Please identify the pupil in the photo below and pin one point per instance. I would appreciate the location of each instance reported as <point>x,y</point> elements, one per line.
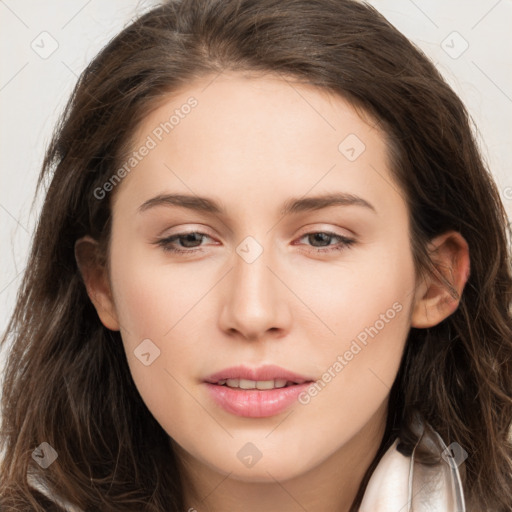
<point>190,238</point>
<point>320,235</point>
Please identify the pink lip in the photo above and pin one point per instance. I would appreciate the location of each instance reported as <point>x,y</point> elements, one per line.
<point>255,403</point>
<point>266,372</point>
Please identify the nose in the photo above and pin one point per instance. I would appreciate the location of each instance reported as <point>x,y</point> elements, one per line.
<point>254,297</point>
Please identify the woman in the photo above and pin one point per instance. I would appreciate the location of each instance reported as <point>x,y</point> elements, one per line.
<point>182,338</point>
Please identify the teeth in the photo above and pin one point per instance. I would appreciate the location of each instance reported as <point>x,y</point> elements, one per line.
<point>254,384</point>
<point>247,384</point>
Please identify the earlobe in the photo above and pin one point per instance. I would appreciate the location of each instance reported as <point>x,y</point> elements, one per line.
<point>434,301</point>
<point>96,281</point>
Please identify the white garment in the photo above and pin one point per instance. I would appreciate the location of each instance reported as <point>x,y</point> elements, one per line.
<point>399,483</point>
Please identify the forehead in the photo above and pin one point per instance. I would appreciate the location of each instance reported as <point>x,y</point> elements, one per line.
<point>234,134</point>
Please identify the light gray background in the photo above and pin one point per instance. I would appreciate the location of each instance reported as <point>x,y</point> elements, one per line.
<point>34,87</point>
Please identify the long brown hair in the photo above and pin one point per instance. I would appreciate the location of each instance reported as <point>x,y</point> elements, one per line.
<point>67,381</point>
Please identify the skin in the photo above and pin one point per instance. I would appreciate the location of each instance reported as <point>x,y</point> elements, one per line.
<point>291,306</point>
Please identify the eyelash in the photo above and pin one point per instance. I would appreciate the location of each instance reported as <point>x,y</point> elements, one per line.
<point>165,243</point>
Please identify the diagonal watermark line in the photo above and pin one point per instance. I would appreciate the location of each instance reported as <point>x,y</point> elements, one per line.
<point>424,13</point>
<point>14,76</point>
<point>11,281</point>
<point>77,76</point>
<point>287,492</point>
<point>379,378</point>
<point>3,3</point>
<point>212,80</point>
<point>192,396</point>
<point>389,183</point>
<point>76,14</point>
<point>289,83</point>
<point>307,192</point>
<point>410,500</point>
<point>14,218</point>
<point>193,306</point>
<point>193,193</point>
<point>69,68</point>
<point>279,424</point>
<point>486,14</point>
<point>492,81</point>
<point>216,487</point>
<point>301,300</point>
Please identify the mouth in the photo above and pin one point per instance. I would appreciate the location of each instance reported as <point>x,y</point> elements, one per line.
<point>256,393</point>
<point>261,385</point>
<point>263,378</point>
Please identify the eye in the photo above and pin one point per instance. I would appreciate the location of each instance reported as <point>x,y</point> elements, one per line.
<point>324,236</point>
<point>191,242</point>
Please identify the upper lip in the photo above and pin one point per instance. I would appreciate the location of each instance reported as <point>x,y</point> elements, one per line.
<point>266,372</point>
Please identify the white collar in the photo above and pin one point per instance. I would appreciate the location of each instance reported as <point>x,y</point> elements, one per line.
<point>400,483</point>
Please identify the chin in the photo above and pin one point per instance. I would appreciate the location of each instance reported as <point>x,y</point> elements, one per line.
<point>263,471</point>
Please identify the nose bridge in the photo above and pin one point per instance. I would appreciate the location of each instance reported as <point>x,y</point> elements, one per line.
<point>253,302</point>
<point>252,277</point>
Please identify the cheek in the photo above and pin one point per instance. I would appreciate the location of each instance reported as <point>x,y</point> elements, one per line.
<point>358,372</point>
<point>351,296</point>
<point>369,293</point>
<point>156,309</point>
<point>368,308</point>
<point>155,305</point>
<point>151,298</point>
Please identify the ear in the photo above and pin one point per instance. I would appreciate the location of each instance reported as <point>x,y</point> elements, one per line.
<point>96,281</point>
<point>433,301</point>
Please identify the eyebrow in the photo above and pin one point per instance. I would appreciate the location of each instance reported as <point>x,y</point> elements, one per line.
<point>290,206</point>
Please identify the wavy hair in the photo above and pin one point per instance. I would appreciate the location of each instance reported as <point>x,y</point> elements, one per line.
<point>67,381</point>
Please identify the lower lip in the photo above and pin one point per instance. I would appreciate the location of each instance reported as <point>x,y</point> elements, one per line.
<point>255,403</point>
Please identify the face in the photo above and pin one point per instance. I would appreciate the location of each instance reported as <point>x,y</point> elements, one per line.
<point>267,273</point>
